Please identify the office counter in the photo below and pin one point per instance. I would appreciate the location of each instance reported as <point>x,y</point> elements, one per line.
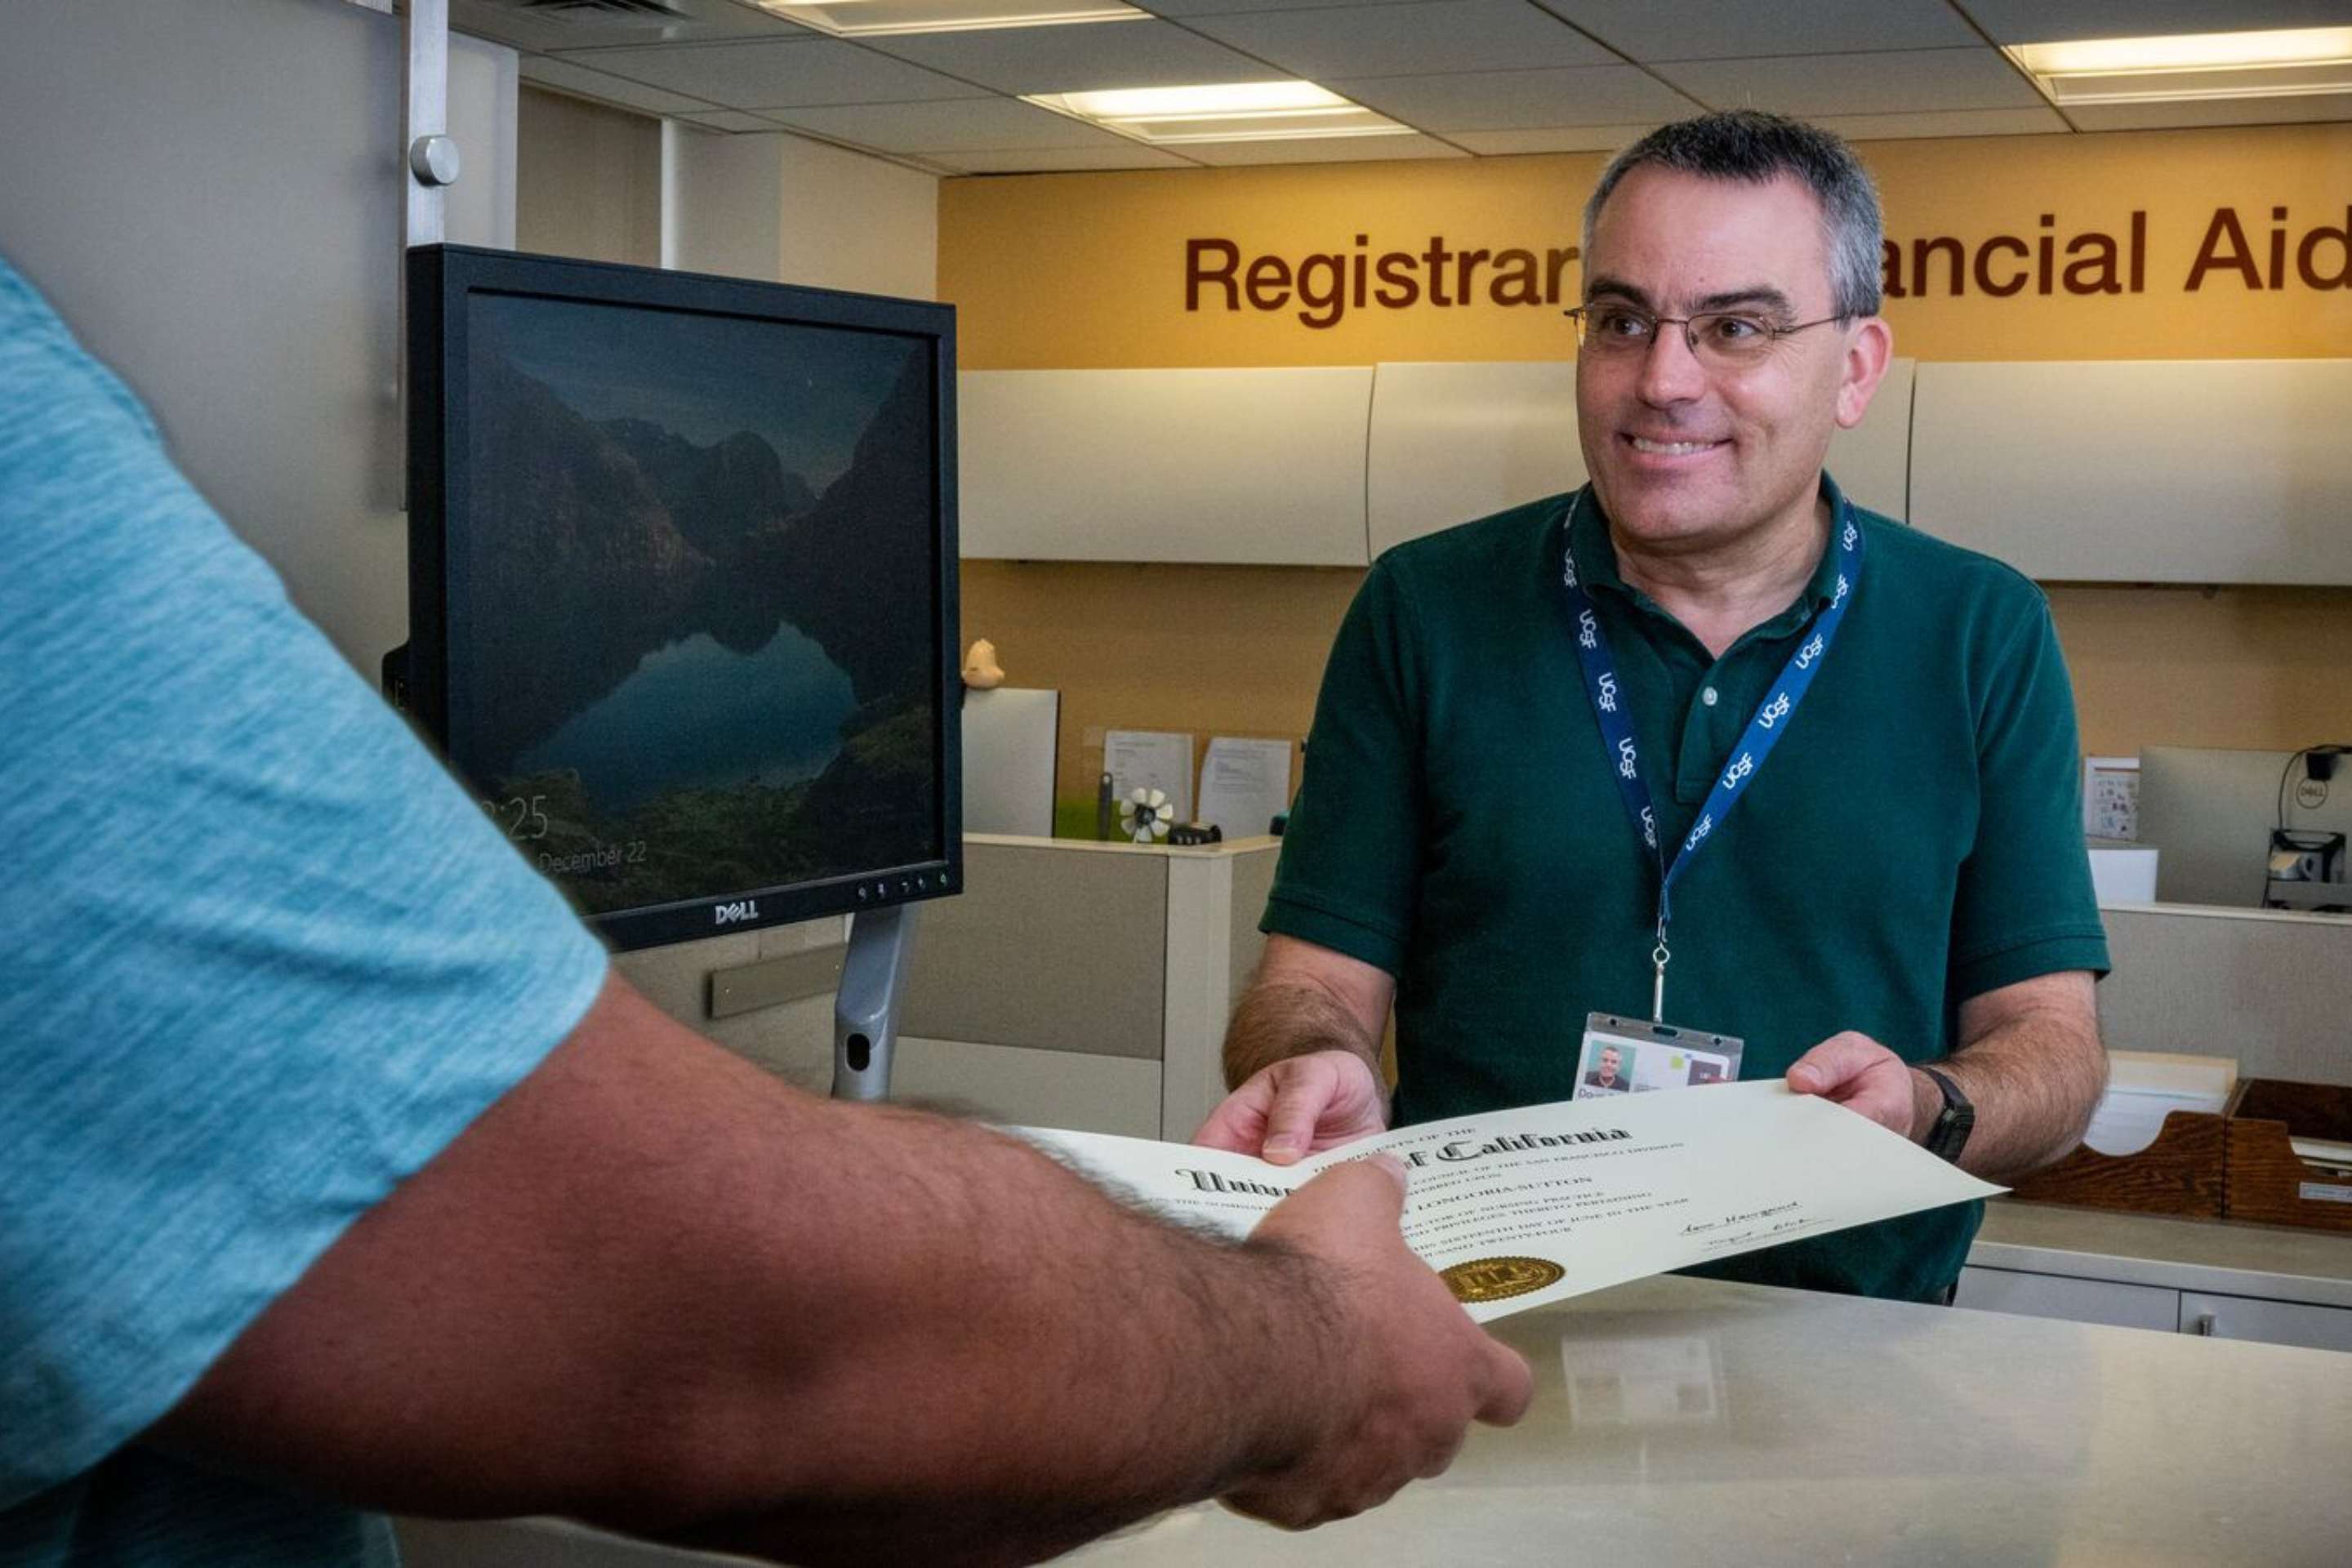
<point>2224,1278</point>
<point>2275,1262</point>
<point>1686,1421</point>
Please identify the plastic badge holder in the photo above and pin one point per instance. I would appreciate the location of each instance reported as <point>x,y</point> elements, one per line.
<point>1633,1055</point>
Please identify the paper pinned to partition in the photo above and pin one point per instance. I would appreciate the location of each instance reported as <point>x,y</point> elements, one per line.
<point>1150,759</point>
<point>2110,797</point>
<point>1244,784</point>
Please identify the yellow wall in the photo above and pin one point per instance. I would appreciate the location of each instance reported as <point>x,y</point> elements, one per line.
<point>1207,650</point>
<point>1089,270</point>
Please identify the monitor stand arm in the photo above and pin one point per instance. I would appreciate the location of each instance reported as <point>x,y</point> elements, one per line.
<point>865,1009</point>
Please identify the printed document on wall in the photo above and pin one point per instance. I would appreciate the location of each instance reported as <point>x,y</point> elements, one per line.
<point>1150,759</point>
<point>1244,784</point>
<point>2110,797</point>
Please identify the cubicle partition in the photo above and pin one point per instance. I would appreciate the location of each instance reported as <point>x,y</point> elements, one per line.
<point>2271,987</point>
<point>1081,984</point>
<point>1088,985</point>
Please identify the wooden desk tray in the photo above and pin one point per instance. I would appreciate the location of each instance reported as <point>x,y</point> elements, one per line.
<point>2264,1178</point>
<point>2182,1172</point>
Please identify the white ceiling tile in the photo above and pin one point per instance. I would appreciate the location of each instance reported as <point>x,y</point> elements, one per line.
<point>2211,112</point>
<point>2040,121</point>
<point>965,125</point>
<point>1080,57</point>
<point>1557,139</point>
<point>2050,21</point>
<point>572,28</point>
<point>1520,101</point>
<point>1322,150</point>
<point>731,120</point>
<point>1058,160</point>
<point>564,77</point>
<point>1190,8</point>
<point>764,74</point>
<point>1712,29</point>
<point>1908,80</point>
<point>1423,40</point>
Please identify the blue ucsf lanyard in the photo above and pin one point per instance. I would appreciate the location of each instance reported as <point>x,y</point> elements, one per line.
<point>1765,727</point>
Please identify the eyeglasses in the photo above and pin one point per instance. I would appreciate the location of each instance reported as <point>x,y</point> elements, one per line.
<point>1725,339</point>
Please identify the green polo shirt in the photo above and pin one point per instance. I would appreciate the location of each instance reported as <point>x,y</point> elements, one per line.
<point>1914,840</point>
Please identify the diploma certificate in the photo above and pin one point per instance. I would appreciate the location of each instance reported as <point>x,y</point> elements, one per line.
<point>1526,1206</point>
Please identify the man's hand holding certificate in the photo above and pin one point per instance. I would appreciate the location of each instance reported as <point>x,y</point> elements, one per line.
<point>1522,1207</point>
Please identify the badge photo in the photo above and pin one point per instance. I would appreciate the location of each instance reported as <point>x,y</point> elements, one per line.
<point>1632,1055</point>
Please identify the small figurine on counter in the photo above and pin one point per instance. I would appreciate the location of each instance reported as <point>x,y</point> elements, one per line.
<point>981,671</point>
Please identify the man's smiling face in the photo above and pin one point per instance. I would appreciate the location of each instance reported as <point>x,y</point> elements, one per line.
<point>1688,456</point>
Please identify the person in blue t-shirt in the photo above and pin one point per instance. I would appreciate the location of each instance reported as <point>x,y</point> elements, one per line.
<point>343,1176</point>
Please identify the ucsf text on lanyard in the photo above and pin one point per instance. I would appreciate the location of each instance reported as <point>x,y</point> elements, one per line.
<point>1765,727</point>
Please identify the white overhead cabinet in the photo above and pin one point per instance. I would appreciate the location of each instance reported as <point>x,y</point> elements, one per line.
<point>1872,462</point>
<point>1456,441</point>
<point>2180,470</point>
<point>1261,467</point>
<point>2162,470</point>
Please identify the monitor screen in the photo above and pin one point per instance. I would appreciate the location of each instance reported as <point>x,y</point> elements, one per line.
<point>683,585</point>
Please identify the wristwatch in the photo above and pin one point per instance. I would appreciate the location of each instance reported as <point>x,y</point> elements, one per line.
<point>1948,1134</point>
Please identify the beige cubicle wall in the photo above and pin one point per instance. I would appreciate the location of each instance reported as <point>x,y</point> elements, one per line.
<point>1082,984</point>
<point>2269,987</point>
<point>1088,985</point>
<point>1253,880</point>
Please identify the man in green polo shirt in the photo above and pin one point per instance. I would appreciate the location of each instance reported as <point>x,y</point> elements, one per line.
<point>1885,872</point>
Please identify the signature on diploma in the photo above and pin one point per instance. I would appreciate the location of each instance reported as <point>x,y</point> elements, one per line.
<point>1736,1230</point>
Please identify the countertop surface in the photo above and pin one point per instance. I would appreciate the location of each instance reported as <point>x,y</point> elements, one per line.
<point>1253,845</point>
<point>1683,1421</point>
<point>2274,1261</point>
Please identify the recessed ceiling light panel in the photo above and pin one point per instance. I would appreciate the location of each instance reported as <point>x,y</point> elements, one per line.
<point>881,19</point>
<point>1223,112</point>
<point>2282,63</point>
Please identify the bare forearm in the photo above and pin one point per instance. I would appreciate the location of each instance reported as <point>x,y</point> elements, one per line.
<point>2034,1081</point>
<point>1278,1019</point>
<point>763,1320</point>
<point>1057,1367</point>
<point>1110,1426</point>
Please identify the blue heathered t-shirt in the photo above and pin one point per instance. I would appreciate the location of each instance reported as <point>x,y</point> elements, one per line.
<point>261,959</point>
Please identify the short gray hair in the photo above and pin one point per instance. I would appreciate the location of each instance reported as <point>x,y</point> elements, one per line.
<point>1748,145</point>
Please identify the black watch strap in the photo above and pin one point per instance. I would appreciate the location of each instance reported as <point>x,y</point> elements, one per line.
<point>1949,1132</point>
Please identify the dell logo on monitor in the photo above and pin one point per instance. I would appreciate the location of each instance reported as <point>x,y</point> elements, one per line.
<point>728,914</point>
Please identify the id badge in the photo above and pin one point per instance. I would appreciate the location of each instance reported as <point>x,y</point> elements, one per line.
<point>1633,1055</point>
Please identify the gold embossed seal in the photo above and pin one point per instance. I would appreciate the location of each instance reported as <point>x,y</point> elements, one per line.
<point>1499,1278</point>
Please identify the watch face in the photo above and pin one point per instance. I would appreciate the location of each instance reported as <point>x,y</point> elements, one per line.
<point>1951,1130</point>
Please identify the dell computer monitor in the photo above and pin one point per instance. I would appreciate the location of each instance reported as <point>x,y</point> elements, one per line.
<point>682,586</point>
